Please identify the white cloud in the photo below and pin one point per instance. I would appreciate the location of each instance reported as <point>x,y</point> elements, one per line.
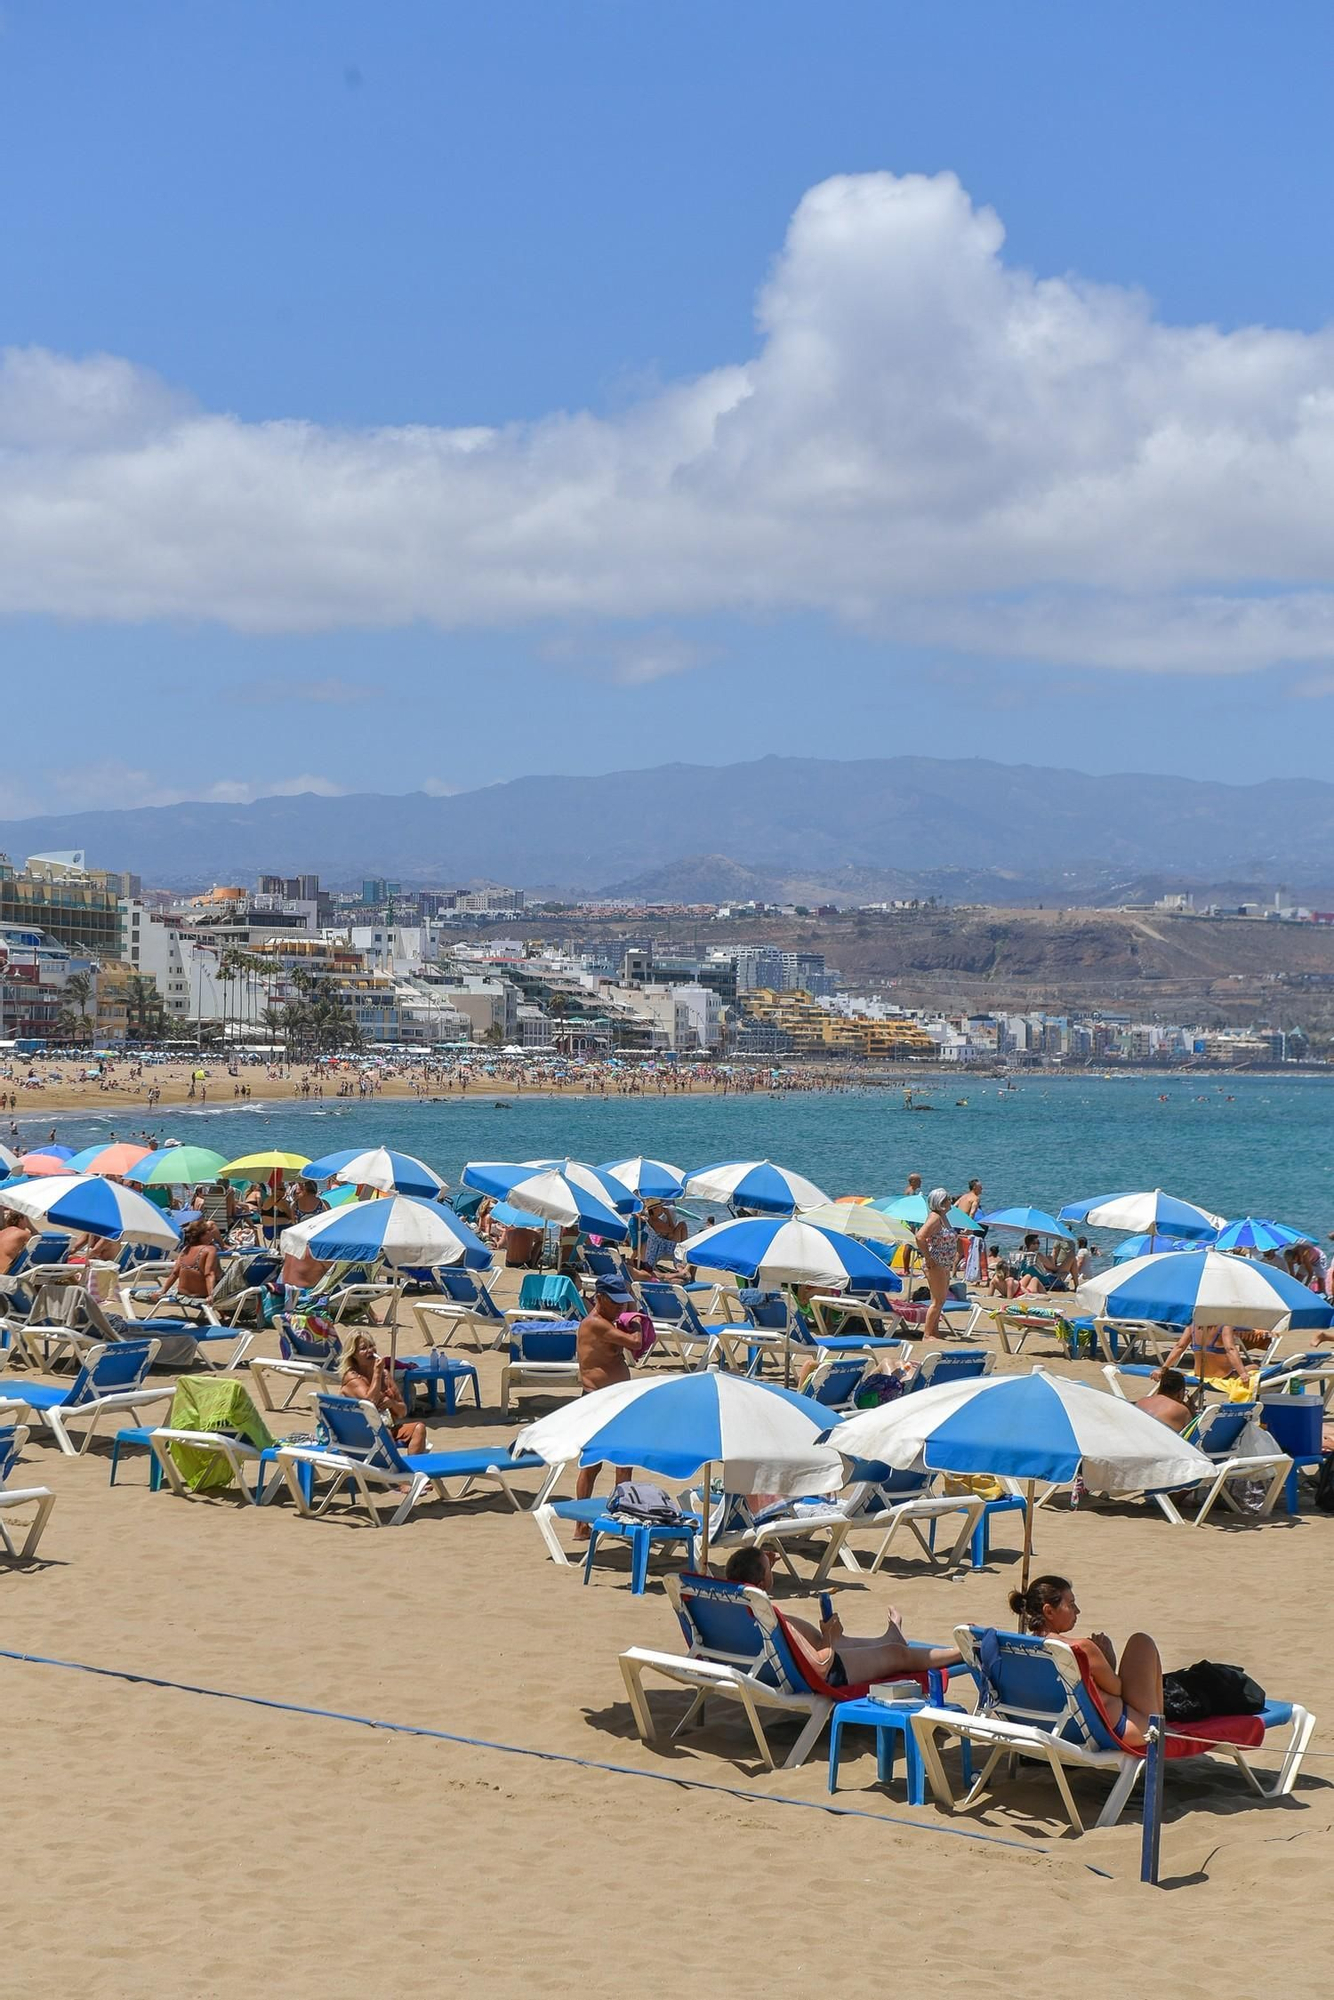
<point>928,443</point>
<point>110,784</point>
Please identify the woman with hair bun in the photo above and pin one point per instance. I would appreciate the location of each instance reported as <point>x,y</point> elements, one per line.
<point>1130,1692</point>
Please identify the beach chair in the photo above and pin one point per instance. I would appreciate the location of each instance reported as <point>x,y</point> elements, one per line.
<point>109,1382</point>
<point>961,1364</point>
<point>1218,1431</point>
<point>836,1380</point>
<point>543,1357</point>
<point>1312,1373</point>
<point>1016,1324</point>
<point>13,1437</point>
<point>682,1335</point>
<point>548,1292</point>
<point>874,1498</point>
<point>739,1650</point>
<point>246,1274</point>
<point>364,1456</point>
<point>303,1361</point>
<point>868,1323</point>
<point>467,1302</point>
<point>1037,1702</point>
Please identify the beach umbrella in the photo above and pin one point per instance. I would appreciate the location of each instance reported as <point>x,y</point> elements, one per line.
<point>753,1436</point>
<point>49,1160</point>
<point>777,1250</point>
<point>84,1204</point>
<point>1030,1221</point>
<point>264,1164</point>
<point>1253,1234</point>
<point>912,1209</point>
<point>867,1224</point>
<point>548,1194</point>
<point>651,1180</point>
<point>116,1158</point>
<point>1153,1213</point>
<point>9,1162</point>
<point>1204,1288</point>
<point>1150,1246</point>
<point>178,1166</point>
<point>391,1173</point>
<point>1028,1427</point>
<point>399,1230</point>
<point>755,1184</point>
<point>596,1181</point>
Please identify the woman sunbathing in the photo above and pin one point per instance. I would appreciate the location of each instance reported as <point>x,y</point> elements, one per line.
<point>370,1378</point>
<point>1129,1693</point>
<point>839,1659</point>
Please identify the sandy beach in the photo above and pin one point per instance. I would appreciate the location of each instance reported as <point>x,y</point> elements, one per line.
<point>162,1835</point>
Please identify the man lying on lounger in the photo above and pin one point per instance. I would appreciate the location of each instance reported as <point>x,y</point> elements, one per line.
<point>839,1660</point>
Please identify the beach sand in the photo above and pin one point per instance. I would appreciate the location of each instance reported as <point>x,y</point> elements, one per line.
<point>166,1839</point>
<point>126,1096</point>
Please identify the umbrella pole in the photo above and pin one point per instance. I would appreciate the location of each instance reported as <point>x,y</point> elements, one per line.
<point>707,1510</point>
<point>393,1319</point>
<point>1028,1539</point>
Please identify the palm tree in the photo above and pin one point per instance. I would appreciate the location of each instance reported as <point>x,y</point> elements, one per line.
<point>79,989</point>
<point>147,1015</point>
<point>274,1020</point>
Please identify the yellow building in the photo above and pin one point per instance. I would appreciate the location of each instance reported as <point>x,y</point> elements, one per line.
<point>111,1020</point>
<point>815,1031</point>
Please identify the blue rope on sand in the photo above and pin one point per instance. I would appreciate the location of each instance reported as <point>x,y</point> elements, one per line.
<point>523,1750</point>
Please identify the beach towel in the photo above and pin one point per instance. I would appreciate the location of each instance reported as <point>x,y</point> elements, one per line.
<point>208,1403</point>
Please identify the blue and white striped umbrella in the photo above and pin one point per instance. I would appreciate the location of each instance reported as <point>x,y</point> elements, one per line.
<point>755,1184</point>
<point>777,1251</point>
<point>1251,1233</point>
<point>651,1180</point>
<point>594,1180</point>
<point>553,1196</point>
<point>399,1230</point>
<point>9,1162</point>
<point>1203,1287</point>
<point>756,1436</point>
<point>1032,1222</point>
<point>83,1204</point>
<point>391,1173</point>
<point>1150,1214</point>
<point>1150,1246</point>
<point>1035,1426</point>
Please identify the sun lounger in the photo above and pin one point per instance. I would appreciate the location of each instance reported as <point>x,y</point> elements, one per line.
<point>1036,1702</point>
<point>874,1498</point>
<point>543,1358</point>
<point>303,1362</point>
<point>739,1650</point>
<point>364,1457</point>
<point>467,1302</point>
<point>961,1364</point>
<point>13,1437</point>
<point>110,1381</point>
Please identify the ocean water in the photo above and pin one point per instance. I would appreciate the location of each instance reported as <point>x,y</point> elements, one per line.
<point>1250,1145</point>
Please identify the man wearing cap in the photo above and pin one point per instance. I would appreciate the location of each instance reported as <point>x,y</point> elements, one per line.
<point>602,1348</point>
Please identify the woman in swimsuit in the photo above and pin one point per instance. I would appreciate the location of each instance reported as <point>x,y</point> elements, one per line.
<point>1215,1352</point>
<point>196,1270</point>
<point>938,1241</point>
<point>1131,1691</point>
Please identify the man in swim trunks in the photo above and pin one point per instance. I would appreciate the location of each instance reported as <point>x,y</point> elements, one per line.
<point>1168,1401</point>
<point>602,1347</point>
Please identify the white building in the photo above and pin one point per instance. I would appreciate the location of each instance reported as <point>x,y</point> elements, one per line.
<point>697,1018</point>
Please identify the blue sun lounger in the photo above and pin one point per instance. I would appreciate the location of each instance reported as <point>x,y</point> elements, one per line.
<point>1034,1702</point>
<point>109,1383</point>
<point>363,1455</point>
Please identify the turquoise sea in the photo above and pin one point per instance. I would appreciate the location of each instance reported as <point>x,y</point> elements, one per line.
<point>1250,1145</point>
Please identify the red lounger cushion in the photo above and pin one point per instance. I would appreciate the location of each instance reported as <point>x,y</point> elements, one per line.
<point>1184,1739</point>
<point>819,1685</point>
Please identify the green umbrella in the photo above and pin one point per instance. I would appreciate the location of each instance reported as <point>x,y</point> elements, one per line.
<point>178,1166</point>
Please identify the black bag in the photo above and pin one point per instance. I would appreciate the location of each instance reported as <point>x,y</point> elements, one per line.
<point>1209,1688</point>
<point>1324,1484</point>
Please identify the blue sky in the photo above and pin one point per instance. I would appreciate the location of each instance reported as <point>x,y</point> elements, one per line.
<point>386,403</point>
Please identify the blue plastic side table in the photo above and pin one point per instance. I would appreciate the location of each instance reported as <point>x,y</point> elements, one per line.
<point>435,1373</point>
<point>641,1536</point>
<point>888,1719</point>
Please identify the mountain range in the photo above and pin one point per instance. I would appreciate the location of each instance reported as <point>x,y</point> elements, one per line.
<point>811,827</point>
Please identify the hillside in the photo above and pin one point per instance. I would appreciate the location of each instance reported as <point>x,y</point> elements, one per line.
<point>916,825</point>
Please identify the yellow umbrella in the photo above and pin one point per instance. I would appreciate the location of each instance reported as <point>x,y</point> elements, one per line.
<point>265,1163</point>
